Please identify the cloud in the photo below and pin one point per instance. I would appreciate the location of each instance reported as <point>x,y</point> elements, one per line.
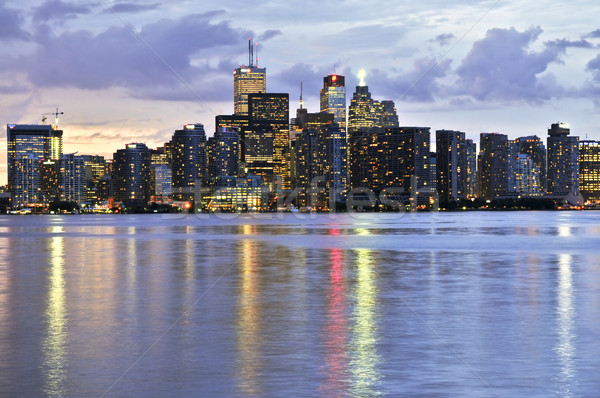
<point>11,22</point>
<point>502,67</point>
<point>127,7</point>
<point>594,67</point>
<point>420,84</point>
<point>288,80</point>
<point>269,34</point>
<point>562,44</point>
<point>57,9</point>
<point>443,39</point>
<point>116,57</point>
<point>594,35</point>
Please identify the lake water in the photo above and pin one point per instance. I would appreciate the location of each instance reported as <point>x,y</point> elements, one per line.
<point>476,304</point>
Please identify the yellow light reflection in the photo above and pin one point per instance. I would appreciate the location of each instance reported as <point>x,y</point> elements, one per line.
<point>365,359</point>
<point>249,337</point>
<point>54,346</point>
<point>565,347</point>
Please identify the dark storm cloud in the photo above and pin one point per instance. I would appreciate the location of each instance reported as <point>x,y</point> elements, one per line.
<point>269,34</point>
<point>443,39</point>
<point>127,7</point>
<point>116,57</point>
<point>11,22</point>
<point>501,67</point>
<point>57,9</point>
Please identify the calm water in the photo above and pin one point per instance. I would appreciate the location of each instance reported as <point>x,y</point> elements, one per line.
<point>478,304</point>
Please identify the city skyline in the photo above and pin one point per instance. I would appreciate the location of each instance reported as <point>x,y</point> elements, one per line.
<point>474,67</point>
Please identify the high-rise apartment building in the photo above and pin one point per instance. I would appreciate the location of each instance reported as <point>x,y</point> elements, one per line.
<point>589,170</point>
<point>471,168</point>
<point>131,175</point>
<point>72,178</point>
<point>333,98</point>
<point>451,150</point>
<point>492,165</point>
<point>189,165</point>
<point>28,146</point>
<point>535,148</point>
<point>563,160</point>
<point>224,149</point>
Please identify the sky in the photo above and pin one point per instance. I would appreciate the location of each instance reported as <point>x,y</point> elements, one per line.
<point>135,71</point>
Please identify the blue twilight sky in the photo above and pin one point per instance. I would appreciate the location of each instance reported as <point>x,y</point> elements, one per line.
<point>125,71</point>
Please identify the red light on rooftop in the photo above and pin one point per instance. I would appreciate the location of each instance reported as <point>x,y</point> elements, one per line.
<point>334,78</point>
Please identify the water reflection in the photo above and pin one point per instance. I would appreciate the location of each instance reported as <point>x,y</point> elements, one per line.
<point>249,339</point>
<point>365,358</point>
<point>54,345</point>
<point>336,356</point>
<point>565,347</point>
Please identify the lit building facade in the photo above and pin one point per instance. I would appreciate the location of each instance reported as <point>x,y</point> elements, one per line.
<point>451,150</point>
<point>160,182</point>
<point>589,170</point>
<point>563,160</point>
<point>28,146</point>
<point>333,99</point>
<point>131,175</point>
<point>267,138</point>
<point>247,80</point>
<point>189,165</point>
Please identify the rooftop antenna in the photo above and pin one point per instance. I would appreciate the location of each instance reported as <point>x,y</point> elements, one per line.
<point>301,102</point>
<point>250,53</point>
<point>256,54</point>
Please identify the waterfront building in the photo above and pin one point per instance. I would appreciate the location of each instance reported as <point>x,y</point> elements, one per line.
<point>389,116</point>
<point>433,170</point>
<point>563,160</point>
<point>240,124</point>
<point>189,166</point>
<point>131,175</point>
<point>589,170</point>
<point>333,99</point>
<point>28,146</point>
<point>95,169</point>
<point>492,165</point>
<point>160,182</point>
<point>451,150</point>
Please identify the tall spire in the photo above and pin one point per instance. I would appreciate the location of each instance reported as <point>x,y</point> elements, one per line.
<point>301,102</point>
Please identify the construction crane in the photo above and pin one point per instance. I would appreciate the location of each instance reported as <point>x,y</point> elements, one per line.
<point>44,118</point>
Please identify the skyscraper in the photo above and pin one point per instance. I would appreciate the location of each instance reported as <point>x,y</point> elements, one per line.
<point>247,80</point>
<point>28,146</point>
<point>131,175</point>
<point>267,139</point>
<point>333,99</point>
<point>189,167</point>
<point>224,148</point>
<point>492,165</point>
<point>589,170</point>
<point>451,150</point>
<point>563,160</point>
